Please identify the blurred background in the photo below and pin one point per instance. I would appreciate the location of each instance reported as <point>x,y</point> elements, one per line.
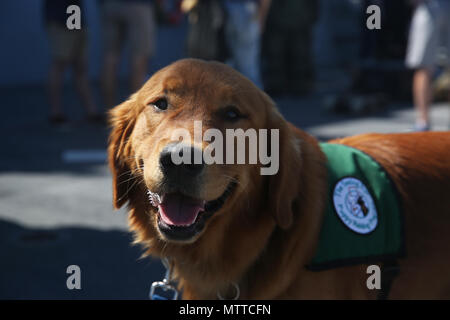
<point>328,72</point>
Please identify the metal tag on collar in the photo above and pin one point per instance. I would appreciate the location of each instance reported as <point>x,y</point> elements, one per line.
<point>237,292</point>
<point>161,290</point>
<point>164,290</point>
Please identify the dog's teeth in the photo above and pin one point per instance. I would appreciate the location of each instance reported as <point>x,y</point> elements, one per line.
<point>154,198</point>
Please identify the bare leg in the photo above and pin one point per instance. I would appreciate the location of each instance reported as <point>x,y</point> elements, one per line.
<point>55,84</point>
<point>422,96</point>
<point>139,65</point>
<point>82,85</point>
<point>109,79</point>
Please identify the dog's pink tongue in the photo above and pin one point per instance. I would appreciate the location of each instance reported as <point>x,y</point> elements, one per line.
<point>179,210</point>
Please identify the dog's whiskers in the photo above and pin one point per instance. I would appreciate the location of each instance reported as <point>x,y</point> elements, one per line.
<point>137,171</point>
<point>128,190</point>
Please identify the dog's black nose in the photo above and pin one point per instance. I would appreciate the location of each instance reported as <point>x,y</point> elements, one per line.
<point>181,161</point>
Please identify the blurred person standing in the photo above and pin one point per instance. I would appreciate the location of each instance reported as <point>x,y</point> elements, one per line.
<point>206,31</point>
<point>244,26</point>
<point>429,30</point>
<point>68,49</point>
<point>288,63</point>
<point>132,21</point>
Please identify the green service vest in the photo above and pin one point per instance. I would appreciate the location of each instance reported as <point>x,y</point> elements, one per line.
<point>363,221</point>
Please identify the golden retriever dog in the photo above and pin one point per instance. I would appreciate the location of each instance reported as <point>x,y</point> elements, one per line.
<point>224,226</point>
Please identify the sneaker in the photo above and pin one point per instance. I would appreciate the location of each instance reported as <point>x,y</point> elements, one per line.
<point>419,127</point>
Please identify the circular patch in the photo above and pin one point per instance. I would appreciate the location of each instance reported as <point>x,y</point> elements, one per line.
<point>354,205</point>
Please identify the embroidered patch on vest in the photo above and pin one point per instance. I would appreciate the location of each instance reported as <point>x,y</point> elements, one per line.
<point>354,205</point>
<point>362,219</point>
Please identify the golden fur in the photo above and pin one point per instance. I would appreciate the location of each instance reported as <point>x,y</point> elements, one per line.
<point>266,232</point>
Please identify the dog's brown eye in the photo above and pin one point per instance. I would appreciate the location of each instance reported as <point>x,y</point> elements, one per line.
<point>231,113</point>
<point>160,104</point>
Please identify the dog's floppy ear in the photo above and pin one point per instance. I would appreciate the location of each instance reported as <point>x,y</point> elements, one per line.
<point>122,119</point>
<point>283,187</point>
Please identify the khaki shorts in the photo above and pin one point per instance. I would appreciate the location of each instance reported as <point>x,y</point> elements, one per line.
<point>65,44</point>
<point>134,22</point>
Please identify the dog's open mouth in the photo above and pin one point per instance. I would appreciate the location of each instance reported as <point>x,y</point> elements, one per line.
<point>181,217</point>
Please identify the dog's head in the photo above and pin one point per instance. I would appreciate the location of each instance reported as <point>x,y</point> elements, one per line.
<point>159,140</point>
